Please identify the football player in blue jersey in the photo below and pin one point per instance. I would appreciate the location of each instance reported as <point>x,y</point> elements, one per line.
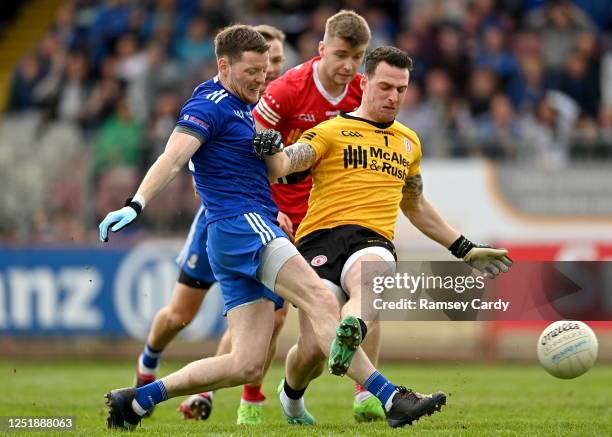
<point>251,257</point>
<point>194,281</point>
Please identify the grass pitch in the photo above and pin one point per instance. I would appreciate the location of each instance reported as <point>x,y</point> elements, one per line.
<point>498,400</point>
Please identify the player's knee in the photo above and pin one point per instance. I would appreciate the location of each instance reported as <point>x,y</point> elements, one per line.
<point>252,370</point>
<point>310,351</point>
<point>326,302</point>
<point>247,366</point>
<point>178,318</point>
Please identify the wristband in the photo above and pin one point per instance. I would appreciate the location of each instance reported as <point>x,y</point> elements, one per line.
<point>139,198</point>
<point>461,247</point>
<point>136,206</point>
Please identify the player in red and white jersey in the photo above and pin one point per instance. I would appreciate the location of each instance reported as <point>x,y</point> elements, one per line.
<point>303,97</point>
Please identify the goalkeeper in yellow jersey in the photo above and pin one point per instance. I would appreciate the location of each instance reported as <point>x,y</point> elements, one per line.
<point>364,165</point>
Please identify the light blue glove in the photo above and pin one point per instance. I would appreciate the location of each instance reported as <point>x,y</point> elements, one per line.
<point>118,220</point>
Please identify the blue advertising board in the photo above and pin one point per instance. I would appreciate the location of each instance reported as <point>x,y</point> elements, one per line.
<point>95,291</point>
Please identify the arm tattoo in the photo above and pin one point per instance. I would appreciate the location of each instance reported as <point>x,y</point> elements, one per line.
<point>413,188</point>
<point>301,156</point>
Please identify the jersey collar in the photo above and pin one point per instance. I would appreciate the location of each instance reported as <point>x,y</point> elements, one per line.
<point>317,80</point>
<point>373,123</point>
<point>230,93</point>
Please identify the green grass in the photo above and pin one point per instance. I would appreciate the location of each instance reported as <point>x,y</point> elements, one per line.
<point>501,400</point>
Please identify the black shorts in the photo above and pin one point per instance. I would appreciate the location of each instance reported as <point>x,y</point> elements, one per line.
<point>188,280</point>
<point>327,250</point>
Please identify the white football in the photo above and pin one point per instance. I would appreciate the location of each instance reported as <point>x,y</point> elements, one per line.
<point>567,348</point>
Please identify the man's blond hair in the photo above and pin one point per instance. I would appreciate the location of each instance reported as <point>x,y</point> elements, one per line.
<point>270,33</point>
<point>349,26</point>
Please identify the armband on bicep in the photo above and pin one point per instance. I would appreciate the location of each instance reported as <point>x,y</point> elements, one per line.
<point>294,178</point>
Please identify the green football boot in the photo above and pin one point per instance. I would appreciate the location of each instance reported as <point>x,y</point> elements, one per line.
<point>250,414</point>
<point>305,419</point>
<point>368,410</point>
<point>343,348</point>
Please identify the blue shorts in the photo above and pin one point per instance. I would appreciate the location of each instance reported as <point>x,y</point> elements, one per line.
<point>235,246</point>
<point>193,259</point>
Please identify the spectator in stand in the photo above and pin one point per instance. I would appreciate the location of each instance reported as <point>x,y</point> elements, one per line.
<point>104,96</point>
<point>494,54</point>
<point>26,76</point>
<point>216,12</point>
<point>558,22</point>
<point>498,133</point>
<point>528,86</point>
<point>483,85</point>
<point>163,121</point>
<point>580,83</point>
<point>119,141</point>
<point>64,27</point>
<point>109,21</point>
<point>163,14</point>
<point>132,65</point>
<point>380,25</point>
<point>196,47</point>
<point>450,56</point>
<point>549,131</point>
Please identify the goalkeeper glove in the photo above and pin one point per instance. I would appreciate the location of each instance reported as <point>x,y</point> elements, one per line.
<point>486,259</point>
<point>267,142</point>
<point>121,218</point>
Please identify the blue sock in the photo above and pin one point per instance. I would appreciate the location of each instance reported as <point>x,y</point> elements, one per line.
<point>150,357</point>
<point>380,387</point>
<point>151,394</point>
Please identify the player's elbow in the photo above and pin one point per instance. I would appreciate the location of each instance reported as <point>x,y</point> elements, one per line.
<point>276,166</point>
<point>171,161</point>
<point>412,208</point>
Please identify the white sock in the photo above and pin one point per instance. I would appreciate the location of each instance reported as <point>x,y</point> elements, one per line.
<point>390,401</point>
<point>292,407</point>
<point>137,408</point>
<point>362,396</point>
<point>144,369</point>
<point>243,402</point>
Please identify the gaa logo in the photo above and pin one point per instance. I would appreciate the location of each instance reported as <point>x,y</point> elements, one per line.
<point>318,260</point>
<point>350,133</point>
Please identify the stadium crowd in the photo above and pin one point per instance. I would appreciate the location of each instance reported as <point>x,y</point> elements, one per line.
<point>95,101</point>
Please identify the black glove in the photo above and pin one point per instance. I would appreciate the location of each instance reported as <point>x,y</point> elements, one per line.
<point>267,142</point>
<point>487,259</point>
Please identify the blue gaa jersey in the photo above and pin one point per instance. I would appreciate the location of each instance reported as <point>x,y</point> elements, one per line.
<point>229,177</point>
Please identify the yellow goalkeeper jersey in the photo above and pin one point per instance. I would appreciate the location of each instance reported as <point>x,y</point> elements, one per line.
<point>360,170</point>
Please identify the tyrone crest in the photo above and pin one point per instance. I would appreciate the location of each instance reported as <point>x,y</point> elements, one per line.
<point>407,145</point>
<point>318,260</point>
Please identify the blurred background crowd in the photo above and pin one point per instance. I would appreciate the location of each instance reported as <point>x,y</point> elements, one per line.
<point>92,105</point>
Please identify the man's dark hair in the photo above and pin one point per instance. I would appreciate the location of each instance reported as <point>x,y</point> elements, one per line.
<point>388,54</point>
<point>234,40</point>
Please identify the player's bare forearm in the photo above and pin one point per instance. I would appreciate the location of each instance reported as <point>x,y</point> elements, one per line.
<point>297,157</point>
<point>423,215</point>
<point>179,149</point>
